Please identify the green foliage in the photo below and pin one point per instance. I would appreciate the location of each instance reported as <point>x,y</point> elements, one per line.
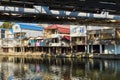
<point>7,25</point>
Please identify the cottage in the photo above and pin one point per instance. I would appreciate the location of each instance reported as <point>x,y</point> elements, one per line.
<point>30,30</point>
<point>6,40</point>
<point>58,38</point>
<point>78,37</point>
<point>23,34</point>
<point>100,39</point>
<point>112,40</point>
<point>58,34</point>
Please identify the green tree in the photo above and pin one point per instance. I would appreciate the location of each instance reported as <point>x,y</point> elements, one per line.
<point>7,25</point>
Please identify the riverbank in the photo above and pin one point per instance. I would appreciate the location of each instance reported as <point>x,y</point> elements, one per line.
<point>75,55</point>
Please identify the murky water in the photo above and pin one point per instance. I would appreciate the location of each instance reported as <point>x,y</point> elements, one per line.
<point>58,69</point>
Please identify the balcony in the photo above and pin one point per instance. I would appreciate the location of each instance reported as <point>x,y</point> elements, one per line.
<point>55,35</point>
<point>78,43</point>
<point>54,44</point>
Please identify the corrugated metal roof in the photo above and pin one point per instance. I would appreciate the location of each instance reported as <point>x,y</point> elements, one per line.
<point>31,27</point>
<point>60,28</point>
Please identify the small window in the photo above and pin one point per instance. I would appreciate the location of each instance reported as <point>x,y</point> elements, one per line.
<point>56,31</point>
<point>96,35</point>
<point>2,33</point>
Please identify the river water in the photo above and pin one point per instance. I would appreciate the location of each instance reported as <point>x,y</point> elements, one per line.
<point>12,68</point>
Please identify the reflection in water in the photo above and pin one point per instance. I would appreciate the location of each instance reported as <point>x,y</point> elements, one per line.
<point>58,69</point>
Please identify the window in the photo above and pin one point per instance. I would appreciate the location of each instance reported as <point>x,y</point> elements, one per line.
<point>96,35</point>
<point>56,40</point>
<point>2,33</point>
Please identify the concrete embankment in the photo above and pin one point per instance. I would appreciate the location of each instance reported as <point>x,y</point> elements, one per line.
<point>101,56</point>
<point>75,55</point>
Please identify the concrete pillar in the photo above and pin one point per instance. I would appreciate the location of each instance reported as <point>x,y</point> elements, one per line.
<point>91,48</point>
<point>115,48</point>
<point>100,48</point>
<point>57,50</point>
<point>88,49</point>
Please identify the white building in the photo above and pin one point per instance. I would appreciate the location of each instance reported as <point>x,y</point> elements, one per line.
<point>6,39</point>
<point>78,37</point>
<point>30,30</point>
<point>22,31</point>
<point>101,40</point>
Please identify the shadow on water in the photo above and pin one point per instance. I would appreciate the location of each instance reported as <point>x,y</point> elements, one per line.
<point>13,68</point>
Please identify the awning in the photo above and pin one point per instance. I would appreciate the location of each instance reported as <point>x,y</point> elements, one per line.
<point>66,37</point>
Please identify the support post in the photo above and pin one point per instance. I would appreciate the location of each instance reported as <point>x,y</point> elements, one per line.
<point>100,48</point>
<point>115,41</point>
<point>115,48</point>
<point>88,48</point>
<point>92,48</point>
<point>87,41</point>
